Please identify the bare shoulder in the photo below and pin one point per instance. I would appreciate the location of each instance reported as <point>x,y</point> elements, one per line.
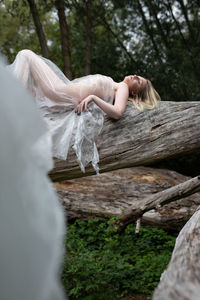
<point>121,96</point>
<point>122,90</point>
<point>123,85</point>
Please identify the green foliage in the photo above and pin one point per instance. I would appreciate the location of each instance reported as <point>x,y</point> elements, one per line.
<point>156,39</point>
<point>17,30</point>
<point>101,262</point>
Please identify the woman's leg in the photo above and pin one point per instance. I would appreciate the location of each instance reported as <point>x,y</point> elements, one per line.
<point>28,63</point>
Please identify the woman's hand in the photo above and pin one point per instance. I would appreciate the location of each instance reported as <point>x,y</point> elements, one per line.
<point>84,103</point>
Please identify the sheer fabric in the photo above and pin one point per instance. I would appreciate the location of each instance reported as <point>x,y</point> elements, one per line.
<point>57,98</point>
<point>32,222</point>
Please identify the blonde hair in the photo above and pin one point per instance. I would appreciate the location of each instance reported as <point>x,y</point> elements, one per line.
<point>147,98</point>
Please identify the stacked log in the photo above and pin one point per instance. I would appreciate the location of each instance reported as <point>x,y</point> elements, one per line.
<point>138,140</point>
<point>110,194</point>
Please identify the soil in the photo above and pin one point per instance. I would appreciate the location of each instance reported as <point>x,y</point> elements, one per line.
<point>136,297</point>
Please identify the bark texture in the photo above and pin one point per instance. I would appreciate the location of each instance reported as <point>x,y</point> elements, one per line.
<point>111,193</point>
<point>181,280</point>
<point>172,194</point>
<point>169,131</point>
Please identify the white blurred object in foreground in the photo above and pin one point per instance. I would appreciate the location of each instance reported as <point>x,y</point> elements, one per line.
<point>31,219</point>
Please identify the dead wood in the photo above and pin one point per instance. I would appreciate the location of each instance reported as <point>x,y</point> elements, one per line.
<point>169,131</point>
<point>112,193</point>
<point>181,280</point>
<point>174,193</point>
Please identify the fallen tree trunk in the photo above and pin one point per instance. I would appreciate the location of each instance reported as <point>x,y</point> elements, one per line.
<point>174,193</point>
<point>181,280</point>
<point>112,193</point>
<point>169,131</point>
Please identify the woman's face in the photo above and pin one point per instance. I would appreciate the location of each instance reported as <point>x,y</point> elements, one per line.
<point>135,83</point>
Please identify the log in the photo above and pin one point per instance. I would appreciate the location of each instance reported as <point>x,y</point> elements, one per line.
<point>174,193</point>
<point>111,193</point>
<point>181,280</point>
<point>169,131</point>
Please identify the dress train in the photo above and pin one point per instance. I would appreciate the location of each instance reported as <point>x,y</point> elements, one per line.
<point>57,97</point>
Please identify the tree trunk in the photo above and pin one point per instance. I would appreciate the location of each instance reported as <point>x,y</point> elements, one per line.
<point>112,193</point>
<point>88,29</point>
<point>181,280</point>
<point>170,131</point>
<point>65,40</point>
<point>39,28</point>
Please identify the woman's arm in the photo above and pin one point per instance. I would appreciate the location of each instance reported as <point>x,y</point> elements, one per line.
<point>114,111</point>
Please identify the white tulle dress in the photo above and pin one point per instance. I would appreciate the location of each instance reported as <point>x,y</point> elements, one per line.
<point>57,98</point>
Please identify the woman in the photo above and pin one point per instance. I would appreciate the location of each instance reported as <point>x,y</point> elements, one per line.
<point>79,104</point>
<point>142,92</point>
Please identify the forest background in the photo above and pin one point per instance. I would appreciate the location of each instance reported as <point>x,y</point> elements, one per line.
<point>156,39</point>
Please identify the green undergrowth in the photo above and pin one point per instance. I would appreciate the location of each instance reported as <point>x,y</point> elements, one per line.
<point>103,264</point>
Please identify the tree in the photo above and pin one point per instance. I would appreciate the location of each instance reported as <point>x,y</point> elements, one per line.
<point>65,39</point>
<point>157,39</point>
<point>39,28</point>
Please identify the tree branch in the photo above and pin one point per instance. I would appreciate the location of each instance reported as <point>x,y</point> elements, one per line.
<point>174,193</point>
